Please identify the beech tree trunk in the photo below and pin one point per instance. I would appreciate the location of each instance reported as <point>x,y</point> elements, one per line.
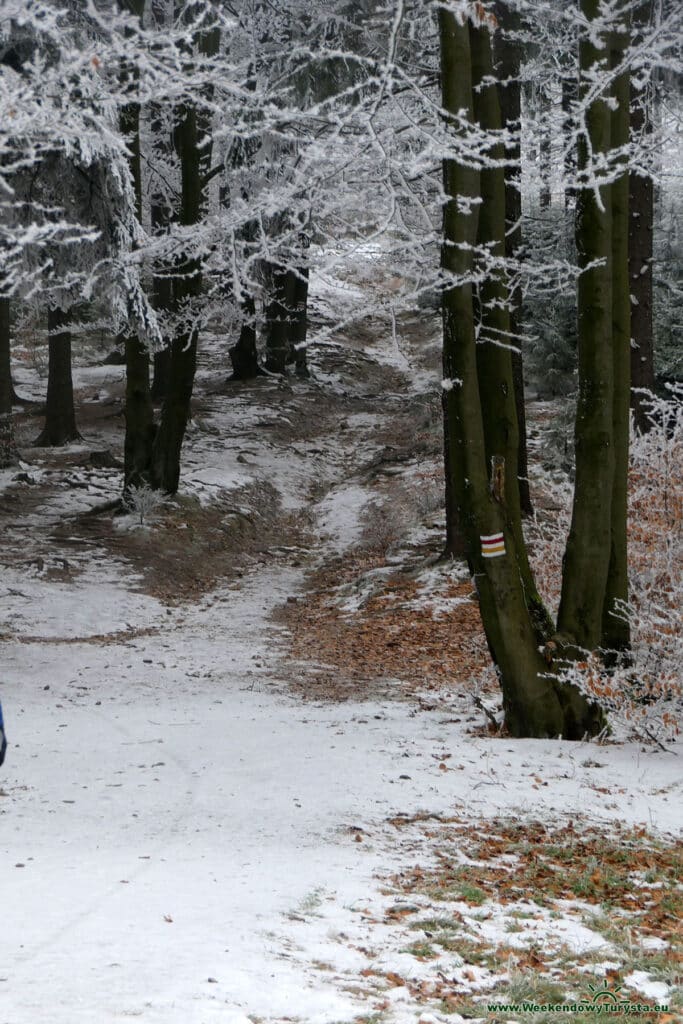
<point>595,573</point>
<point>480,421</point>
<point>532,706</point>
<point>60,416</point>
<point>507,57</point>
<point>616,635</point>
<point>8,451</point>
<point>641,219</point>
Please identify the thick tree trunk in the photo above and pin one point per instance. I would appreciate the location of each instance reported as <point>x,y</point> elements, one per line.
<point>532,706</point>
<point>494,358</point>
<point>8,451</point>
<point>587,555</point>
<point>60,417</point>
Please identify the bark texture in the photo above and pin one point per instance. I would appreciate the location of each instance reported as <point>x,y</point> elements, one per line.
<point>615,628</point>
<point>507,60</point>
<point>641,219</point>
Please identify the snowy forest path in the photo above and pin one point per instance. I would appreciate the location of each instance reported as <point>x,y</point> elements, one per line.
<point>189,830</point>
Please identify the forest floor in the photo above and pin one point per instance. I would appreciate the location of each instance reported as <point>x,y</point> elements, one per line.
<point>253,775</point>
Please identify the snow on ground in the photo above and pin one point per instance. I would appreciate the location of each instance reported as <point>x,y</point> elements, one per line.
<point>170,816</point>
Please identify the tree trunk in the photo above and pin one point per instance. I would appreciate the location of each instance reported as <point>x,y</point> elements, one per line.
<point>507,55</point>
<point>187,285</point>
<point>190,127</point>
<point>244,355</point>
<point>139,412</point>
<point>8,451</point>
<point>641,219</point>
<point>162,291</point>
<point>532,706</point>
<point>587,555</point>
<point>60,417</point>
<point>487,507</point>
<point>299,326</point>
<point>494,358</point>
<point>161,370</point>
<point>615,628</point>
<point>278,318</point>
<point>570,94</point>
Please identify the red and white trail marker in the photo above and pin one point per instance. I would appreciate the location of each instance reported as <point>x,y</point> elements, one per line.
<point>493,545</point>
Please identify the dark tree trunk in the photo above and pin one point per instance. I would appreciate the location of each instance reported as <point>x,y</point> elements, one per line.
<point>299,325</point>
<point>60,417</point>
<point>587,555</point>
<point>531,705</point>
<point>191,126</point>
<point>244,355</point>
<point>641,219</point>
<point>8,451</point>
<point>168,442</point>
<point>139,412</point>
<point>616,635</point>
<point>162,291</point>
<point>507,55</point>
<point>478,420</point>
<point>278,318</point>
<point>162,369</point>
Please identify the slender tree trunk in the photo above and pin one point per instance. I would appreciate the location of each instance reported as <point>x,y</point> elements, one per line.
<point>299,327</point>
<point>163,303</point>
<point>507,55</point>
<point>60,416</point>
<point>190,127</point>
<point>641,219</point>
<point>570,94</point>
<point>545,154</point>
<point>615,628</point>
<point>139,412</point>
<point>175,413</point>
<point>8,451</point>
<point>587,555</point>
